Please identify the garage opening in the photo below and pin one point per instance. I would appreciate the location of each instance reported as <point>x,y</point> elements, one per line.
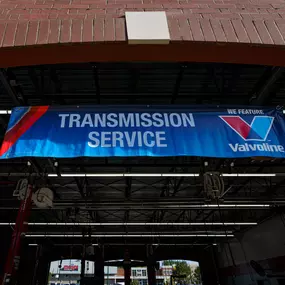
<point>224,209</point>
<point>179,272</point>
<point>68,271</point>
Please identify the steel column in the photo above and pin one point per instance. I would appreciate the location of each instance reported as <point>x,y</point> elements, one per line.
<point>127,268</point>
<point>99,267</point>
<point>151,275</point>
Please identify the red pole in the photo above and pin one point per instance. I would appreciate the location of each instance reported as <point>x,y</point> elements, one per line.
<point>13,258</point>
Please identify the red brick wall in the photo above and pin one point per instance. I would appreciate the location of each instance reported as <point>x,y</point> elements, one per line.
<point>30,22</point>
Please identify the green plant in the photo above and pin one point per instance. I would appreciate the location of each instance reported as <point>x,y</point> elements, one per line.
<point>197,276</point>
<point>135,282</point>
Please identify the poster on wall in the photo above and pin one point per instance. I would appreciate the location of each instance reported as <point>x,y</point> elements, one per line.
<point>70,267</point>
<point>106,131</point>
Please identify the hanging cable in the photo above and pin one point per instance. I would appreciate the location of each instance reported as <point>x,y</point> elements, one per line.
<point>213,185</point>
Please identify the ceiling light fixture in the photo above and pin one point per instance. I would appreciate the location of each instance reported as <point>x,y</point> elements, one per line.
<point>137,224</point>
<point>180,175</point>
<point>5,112</point>
<point>162,174</point>
<point>236,206</point>
<point>72,175</point>
<point>248,174</point>
<point>125,175</point>
<point>180,244</point>
<point>104,175</point>
<point>142,175</point>
<point>129,235</point>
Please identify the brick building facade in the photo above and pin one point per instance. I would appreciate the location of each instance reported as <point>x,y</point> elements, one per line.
<point>237,31</point>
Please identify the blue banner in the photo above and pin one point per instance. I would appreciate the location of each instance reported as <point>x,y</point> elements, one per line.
<point>104,131</point>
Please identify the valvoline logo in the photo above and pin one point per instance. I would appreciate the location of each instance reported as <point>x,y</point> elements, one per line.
<point>257,130</point>
<point>254,134</point>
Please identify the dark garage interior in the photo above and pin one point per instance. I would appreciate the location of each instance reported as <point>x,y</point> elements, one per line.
<point>161,209</point>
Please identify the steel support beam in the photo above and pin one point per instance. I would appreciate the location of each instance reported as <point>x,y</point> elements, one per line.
<point>262,95</point>
<point>10,90</point>
<point>56,86</point>
<point>96,82</point>
<point>39,85</point>
<point>178,83</point>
